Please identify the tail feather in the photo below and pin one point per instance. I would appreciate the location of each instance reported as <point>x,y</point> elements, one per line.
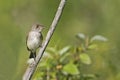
<point>32,55</point>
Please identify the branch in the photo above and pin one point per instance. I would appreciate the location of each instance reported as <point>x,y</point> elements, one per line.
<point>30,70</point>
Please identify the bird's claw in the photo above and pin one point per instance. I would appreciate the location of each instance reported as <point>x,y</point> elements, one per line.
<point>31,62</point>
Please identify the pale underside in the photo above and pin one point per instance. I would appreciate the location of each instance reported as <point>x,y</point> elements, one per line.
<point>34,40</point>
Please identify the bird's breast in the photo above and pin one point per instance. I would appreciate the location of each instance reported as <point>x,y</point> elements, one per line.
<point>33,41</point>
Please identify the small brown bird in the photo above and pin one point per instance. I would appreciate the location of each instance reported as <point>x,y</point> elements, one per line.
<point>34,40</point>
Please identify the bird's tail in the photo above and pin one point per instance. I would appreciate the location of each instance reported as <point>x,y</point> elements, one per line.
<point>32,55</point>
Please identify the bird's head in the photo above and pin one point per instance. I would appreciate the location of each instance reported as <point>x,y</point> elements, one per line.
<point>38,27</point>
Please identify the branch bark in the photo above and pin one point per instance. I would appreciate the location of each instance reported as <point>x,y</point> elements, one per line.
<point>30,70</point>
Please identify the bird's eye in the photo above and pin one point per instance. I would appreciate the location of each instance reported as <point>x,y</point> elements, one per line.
<point>37,26</point>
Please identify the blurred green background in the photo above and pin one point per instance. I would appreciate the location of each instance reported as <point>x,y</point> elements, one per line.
<point>86,16</point>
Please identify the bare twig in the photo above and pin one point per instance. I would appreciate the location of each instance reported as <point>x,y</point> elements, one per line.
<point>30,70</point>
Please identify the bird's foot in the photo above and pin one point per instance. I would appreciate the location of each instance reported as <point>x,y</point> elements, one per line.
<point>31,62</point>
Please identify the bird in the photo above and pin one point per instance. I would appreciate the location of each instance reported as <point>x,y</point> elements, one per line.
<point>34,40</point>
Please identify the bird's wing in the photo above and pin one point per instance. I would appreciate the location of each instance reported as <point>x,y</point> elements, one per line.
<point>41,39</point>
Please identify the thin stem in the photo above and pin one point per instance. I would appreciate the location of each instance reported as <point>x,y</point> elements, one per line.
<point>30,70</point>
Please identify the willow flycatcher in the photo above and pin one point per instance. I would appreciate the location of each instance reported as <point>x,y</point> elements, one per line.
<point>34,41</point>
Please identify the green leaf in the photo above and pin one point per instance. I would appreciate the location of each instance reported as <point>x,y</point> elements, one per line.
<point>93,46</point>
<point>81,36</point>
<point>64,57</point>
<point>52,50</point>
<point>38,76</point>
<point>98,38</point>
<point>64,50</point>
<point>85,58</point>
<point>89,76</point>
<point>71,68</point>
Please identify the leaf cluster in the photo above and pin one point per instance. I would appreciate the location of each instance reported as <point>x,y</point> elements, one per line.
<point>65,63</point>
